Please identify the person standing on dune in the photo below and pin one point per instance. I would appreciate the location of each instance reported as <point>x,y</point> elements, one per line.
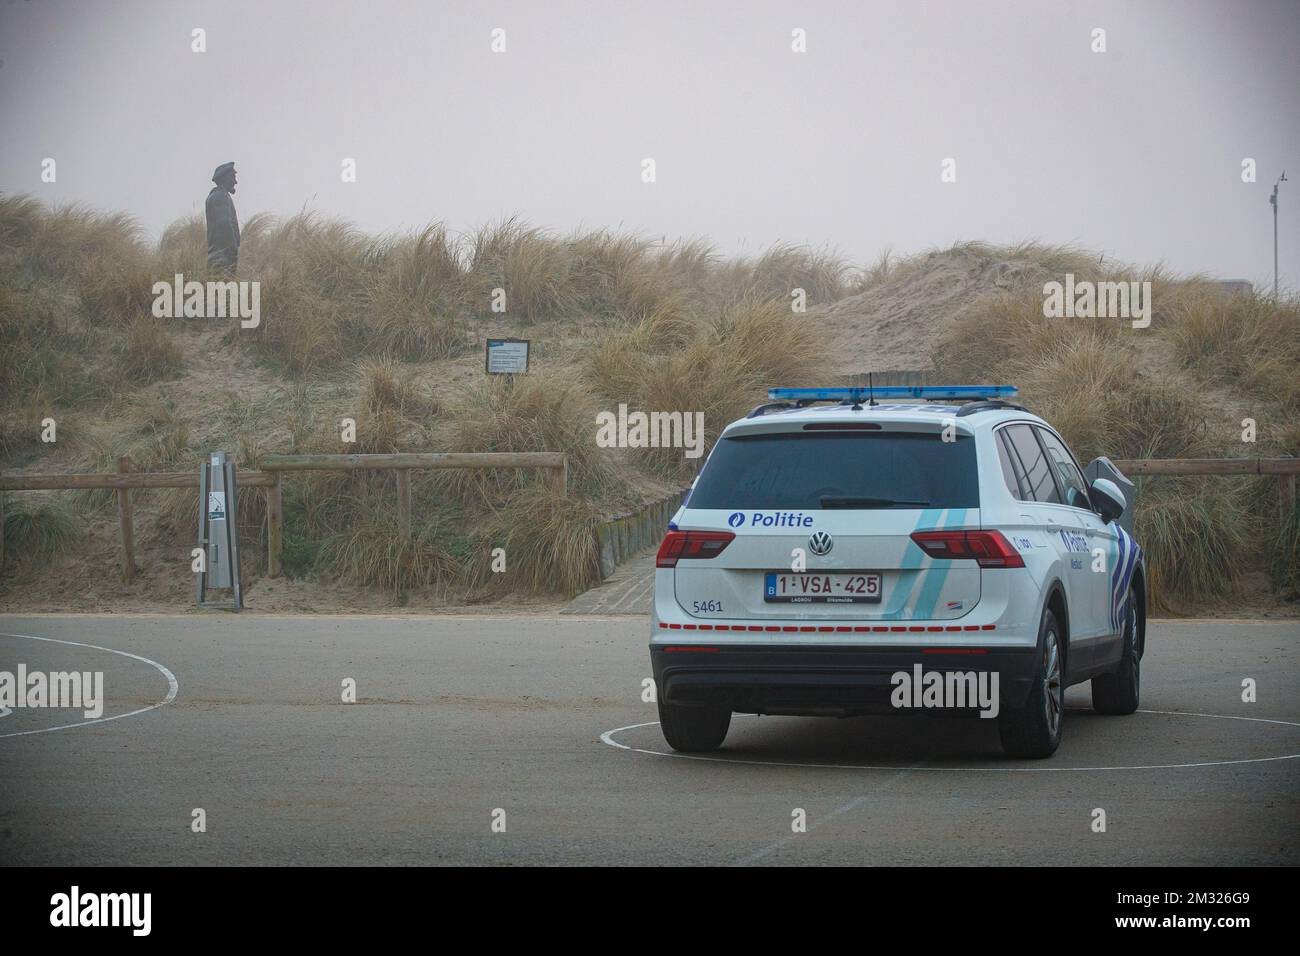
<point>223,224</point>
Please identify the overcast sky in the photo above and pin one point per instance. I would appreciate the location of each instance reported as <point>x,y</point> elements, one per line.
<point>1136,151</point>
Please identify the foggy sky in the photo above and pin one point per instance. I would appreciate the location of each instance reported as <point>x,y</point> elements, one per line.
<point>1136,152</point>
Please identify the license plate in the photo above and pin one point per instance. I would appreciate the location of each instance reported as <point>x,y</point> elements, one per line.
<point>813,588</point>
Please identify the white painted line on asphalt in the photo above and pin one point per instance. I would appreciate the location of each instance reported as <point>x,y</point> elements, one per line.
<point>172,686</point>
<point>608,738</point>
<point>853,804</point>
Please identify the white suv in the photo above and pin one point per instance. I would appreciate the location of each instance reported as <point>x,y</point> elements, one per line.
<point>828,552</point>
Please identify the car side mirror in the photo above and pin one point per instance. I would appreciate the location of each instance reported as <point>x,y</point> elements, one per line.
<point>1107,499</point>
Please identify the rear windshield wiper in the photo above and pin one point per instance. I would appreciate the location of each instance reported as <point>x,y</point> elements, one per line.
<point>848,501</point>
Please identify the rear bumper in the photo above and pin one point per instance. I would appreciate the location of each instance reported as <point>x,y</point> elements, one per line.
<point>834,681</point>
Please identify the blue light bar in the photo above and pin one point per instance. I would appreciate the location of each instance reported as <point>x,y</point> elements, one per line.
<point>857,393</point>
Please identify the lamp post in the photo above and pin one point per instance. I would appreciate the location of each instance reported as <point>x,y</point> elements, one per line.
<point>1273,202</point>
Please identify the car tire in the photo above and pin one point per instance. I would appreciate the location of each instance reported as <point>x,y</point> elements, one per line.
<point>1034,730</point>
<point>1118,692</point>
<point>694,730</point>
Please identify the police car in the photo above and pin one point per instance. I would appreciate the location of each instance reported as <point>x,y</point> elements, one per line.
<point>833,541</point>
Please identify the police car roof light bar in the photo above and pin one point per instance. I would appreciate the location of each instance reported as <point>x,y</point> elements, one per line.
<point>856,393</point>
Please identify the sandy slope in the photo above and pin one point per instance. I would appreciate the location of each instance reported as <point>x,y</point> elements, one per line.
<point>893,324</point>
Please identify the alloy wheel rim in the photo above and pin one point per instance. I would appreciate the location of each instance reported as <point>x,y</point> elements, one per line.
<point>1052,690</point>
<point>1133,642</point>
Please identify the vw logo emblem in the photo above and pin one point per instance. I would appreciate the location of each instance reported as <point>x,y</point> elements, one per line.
<point>820,543</point>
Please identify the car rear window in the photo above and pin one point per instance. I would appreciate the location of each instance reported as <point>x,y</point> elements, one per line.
<point>796,469</point>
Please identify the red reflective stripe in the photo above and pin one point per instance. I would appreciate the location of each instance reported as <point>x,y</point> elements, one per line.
<point>662,624</point>
<point>988,627</point>
<point>675,627</point>
<point>844,629</point>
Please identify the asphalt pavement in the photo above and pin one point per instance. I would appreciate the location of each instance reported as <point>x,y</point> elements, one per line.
<point>538,725</point>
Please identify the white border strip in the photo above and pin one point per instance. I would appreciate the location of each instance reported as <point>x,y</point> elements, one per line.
<point>608,738</point>
<point>172,686</point>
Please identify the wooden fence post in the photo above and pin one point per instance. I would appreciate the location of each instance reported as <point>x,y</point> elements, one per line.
<point>2,530</point>
<point>562,477</point>
<point>1286,495</point>
<point>404,501</point>
<point>274,527</point>
<point>124,521</point>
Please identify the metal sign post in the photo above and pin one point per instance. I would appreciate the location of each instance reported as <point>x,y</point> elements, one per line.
<point>218,534</point>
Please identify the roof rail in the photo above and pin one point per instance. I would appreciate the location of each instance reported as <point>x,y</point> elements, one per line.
<point>769,406</point>
<point>970,408</point>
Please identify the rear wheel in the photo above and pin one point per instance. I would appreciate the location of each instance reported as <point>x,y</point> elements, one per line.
<point>1118,692</point>
<point>1034,730</point>
<point>694,729</point>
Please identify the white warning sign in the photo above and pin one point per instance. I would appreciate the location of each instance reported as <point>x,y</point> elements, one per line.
<point>216,506</point>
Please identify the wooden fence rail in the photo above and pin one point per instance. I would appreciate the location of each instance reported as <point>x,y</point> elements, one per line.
<point>273,467</point>
<point>1284,469</point>
<point>270,477</point>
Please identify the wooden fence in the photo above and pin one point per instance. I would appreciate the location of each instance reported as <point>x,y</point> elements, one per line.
<point>271,477</point>
<point>1284,469</point>
<point>274,468</point>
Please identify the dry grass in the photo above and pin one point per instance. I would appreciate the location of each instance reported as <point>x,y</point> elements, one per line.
<point>538,412</point>
<point>373,552</point>
<point>1213,513</point>
<point>534,269</point>
<point>1245,340</point>
<point>355,319</point>
<point>413,297</point>
<point>720,366</point>
<point>37,532</point>
<point>549,542</point>
<point>149,353</point>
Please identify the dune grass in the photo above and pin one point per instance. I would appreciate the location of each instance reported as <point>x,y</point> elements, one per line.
<point>38,532</point>
<point>549,544</point>
<point>351,323</point>
<point>539,412</point>
<point>1215,514</point>
<point>373,552</point>
<point>719,365</point>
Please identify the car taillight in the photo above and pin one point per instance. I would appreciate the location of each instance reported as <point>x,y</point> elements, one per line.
<point>989,548</point>
<point>691,544</point>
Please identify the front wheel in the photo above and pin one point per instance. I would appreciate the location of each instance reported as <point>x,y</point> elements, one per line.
<point>1118,692</point>
<point>1034,730</point>
<point>694,729</point>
